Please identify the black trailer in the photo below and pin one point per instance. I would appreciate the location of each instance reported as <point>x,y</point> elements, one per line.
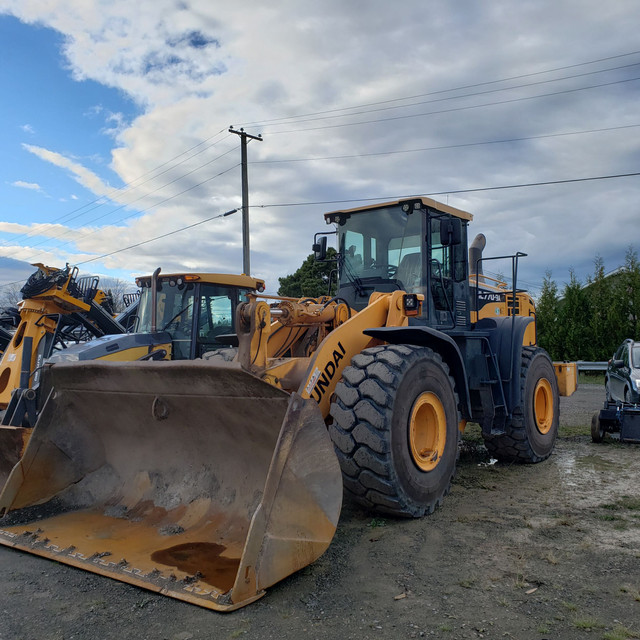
<point>617,418</point>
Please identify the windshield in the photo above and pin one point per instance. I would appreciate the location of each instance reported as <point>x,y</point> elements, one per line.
<point>174,308</point>
<point>383,244</point>
<point>174,315</point>
<point>635,356</point>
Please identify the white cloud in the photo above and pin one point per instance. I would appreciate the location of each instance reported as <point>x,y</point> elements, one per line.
<point>195,68</point>
<point>27,128</point>
<point>81,174</point>
<point>33,186</point>
<point>115,124</point>
<point>46,230</point>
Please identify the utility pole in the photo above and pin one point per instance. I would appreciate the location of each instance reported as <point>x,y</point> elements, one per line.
<point>246,264</point>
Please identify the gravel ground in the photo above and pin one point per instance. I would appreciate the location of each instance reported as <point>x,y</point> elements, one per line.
<point>538,551</point>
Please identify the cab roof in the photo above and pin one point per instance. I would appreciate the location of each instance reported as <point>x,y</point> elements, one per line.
<point>225,279</point>
<point>427,203</point>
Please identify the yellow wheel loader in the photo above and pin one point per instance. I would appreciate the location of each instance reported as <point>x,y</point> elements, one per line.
<point>209,480</point>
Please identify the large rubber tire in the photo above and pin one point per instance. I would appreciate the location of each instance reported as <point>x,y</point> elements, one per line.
<point>395,429</point>
<point>532,431</point>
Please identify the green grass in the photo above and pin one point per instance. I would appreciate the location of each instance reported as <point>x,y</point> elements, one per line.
<point>591,377</point>
<point>566,431</point>
<point>622,504</point>
<point>620,632</point>
<point>587,623</point>
<point>377,522</point>
<point>632,503</point>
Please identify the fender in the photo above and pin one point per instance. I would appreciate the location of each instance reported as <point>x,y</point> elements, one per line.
<point>441,343</point>
<point>507,334</point>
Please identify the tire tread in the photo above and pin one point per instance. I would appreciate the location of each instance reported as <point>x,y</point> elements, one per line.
<point>359,431</point>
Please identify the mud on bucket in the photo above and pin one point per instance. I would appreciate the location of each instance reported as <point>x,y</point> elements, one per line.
<point>198,481</point>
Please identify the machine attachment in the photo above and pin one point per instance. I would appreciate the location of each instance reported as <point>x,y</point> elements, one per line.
<point>617,418</point>
<point>195,480</point>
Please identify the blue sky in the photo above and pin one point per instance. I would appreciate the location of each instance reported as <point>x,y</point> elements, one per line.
<point>114,122</point>
<point>45,107</point>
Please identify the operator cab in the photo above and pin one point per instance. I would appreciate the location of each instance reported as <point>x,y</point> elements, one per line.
<point>418,246</point>
<point>188,307</point>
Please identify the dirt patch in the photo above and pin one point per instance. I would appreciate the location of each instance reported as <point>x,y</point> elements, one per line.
<point>543,551</point>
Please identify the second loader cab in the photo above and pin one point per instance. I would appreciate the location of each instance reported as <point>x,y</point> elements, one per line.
<point>178,316</point>
<point>196,310</point>
<point>418,246</point>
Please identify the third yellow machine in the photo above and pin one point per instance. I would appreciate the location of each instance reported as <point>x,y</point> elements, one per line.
<point>210,480</point>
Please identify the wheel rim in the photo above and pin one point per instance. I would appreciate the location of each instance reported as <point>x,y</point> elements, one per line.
<point>543,405</point>
<point>427,431</point>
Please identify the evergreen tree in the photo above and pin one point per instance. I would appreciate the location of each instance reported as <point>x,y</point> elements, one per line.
<point>311,280</point>
<point>601,340</point>
<point>547,313</point>
<point>573,327</point>
<point>627,298</point>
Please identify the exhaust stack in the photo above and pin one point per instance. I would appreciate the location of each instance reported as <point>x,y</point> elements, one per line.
<point>475,254</point>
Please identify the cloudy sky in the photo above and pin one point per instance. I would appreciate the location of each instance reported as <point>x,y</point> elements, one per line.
<point>114,123</point>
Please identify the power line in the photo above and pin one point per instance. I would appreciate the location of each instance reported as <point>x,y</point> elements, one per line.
<point>495,188</point>
<point>130,185</point>
<point>454,109</point>
<point>443,147</point>
<point>448,192</point>
<point>351,200</point>
<point>465,95</point>
<point>164,235</point>
<point>144,210</point>
<point>460,88</point>
<point>391,198</point>
<point>142,197</point>
<point>100,201</point>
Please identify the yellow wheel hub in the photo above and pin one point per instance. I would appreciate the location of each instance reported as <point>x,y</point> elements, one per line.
<point>543,405</point>
<point>427,431</point>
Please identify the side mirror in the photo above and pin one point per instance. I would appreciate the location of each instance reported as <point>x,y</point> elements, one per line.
<point>320,248</point>
<point>450,231</point>
<point>618,364</point>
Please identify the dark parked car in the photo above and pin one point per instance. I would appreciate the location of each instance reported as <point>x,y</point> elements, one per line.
<point>622,380</point>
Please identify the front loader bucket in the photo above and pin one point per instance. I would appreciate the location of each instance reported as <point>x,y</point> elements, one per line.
<point>196,480</point>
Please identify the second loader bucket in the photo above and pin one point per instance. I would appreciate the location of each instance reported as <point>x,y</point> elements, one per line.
<point>196,480</point>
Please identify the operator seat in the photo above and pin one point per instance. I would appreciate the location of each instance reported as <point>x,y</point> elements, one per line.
<point>410,272</point>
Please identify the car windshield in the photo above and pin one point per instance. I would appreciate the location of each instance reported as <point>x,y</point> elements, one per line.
<point>635,356</point>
